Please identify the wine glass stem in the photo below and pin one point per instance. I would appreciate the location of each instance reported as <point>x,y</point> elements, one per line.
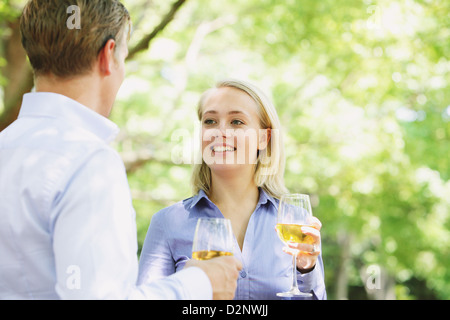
<point>294,286</point>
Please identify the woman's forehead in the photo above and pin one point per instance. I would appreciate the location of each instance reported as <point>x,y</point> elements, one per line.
<point>230,101</point>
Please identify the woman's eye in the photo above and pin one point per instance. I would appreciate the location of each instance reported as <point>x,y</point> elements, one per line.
<point>208,121</point>
<point>237,122</point>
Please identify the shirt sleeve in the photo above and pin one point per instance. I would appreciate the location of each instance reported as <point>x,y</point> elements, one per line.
<point>189,284</point>
<point>94,239</point>
<point>313,281</point>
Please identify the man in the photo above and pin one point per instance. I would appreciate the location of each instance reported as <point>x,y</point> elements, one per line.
<point>67,225</point>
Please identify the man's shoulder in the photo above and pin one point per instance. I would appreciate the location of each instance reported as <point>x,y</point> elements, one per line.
<point>53,145</point>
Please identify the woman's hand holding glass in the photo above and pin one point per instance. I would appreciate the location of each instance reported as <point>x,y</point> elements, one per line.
<point>307,253</point>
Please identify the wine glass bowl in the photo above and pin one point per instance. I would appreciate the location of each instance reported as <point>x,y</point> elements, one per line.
<point>293,233</point>
<point>213,238</point>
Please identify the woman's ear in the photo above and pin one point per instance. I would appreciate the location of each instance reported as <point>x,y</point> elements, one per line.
<point>264,138</point>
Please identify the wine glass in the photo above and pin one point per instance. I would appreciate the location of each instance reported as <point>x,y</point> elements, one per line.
<point>294,211</point>
<point>213,238</point>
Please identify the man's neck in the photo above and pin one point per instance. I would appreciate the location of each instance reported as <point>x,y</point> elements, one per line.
<point>83,89</point>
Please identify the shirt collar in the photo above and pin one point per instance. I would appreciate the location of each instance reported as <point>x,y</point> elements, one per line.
<point>53,105</point>
<point>263,198</point>
<point>195,199</point>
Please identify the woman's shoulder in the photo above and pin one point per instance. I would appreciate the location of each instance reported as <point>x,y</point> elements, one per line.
<point>176,210</point>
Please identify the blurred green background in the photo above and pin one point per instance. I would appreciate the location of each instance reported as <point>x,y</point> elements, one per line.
<point>362,89</point>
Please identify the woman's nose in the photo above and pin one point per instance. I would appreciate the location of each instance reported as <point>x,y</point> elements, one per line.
<point>223,130</point>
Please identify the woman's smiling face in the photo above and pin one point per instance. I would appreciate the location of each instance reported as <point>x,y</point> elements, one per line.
<point>231,129</point>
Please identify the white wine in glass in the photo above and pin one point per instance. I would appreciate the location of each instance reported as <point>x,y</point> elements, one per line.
<point>294,212</point>
<point>213,238</point>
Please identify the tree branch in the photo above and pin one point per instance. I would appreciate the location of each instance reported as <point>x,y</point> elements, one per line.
<point>144,43</point>
<point>134,160</point>
<point>202,31</point>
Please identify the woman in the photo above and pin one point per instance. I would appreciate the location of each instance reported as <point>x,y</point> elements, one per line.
<point>240,178</point>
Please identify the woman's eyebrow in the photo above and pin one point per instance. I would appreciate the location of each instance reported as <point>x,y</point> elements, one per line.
<point>237,112</point>
<point>231,112</point>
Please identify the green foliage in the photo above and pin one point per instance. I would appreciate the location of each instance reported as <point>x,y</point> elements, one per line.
<point>362,91</point>
<point>364,101</point>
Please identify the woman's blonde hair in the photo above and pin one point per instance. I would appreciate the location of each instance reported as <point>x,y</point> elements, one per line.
<point>269,169</point>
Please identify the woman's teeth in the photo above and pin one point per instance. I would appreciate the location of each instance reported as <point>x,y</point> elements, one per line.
<point>222,149</point>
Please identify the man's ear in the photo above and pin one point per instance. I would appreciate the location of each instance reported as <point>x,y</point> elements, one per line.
<point>264,138</point>
<point>106,58</point>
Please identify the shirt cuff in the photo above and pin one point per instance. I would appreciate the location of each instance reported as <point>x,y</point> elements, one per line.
<point>308,280</point>
<point>188,284</point>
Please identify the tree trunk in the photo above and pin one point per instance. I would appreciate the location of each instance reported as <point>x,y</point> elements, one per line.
<point>18,75</point>
<point>344,241</point>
